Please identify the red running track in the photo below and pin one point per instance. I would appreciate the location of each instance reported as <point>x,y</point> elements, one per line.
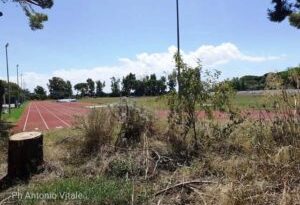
<point>47,115</point>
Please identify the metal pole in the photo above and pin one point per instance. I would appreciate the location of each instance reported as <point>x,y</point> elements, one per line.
<point>7,70</point>
<point>22,86</point>
<point>178,47</point>
<point>18,84</point>
<point>178,31</point>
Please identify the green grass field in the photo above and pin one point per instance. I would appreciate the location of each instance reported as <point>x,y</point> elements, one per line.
<point>15,114</point>
<point>249,101</point>
<point>160,103</point>
<point>86,191</point>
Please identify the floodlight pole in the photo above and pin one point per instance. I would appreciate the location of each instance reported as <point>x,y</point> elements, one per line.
<point>18,84</point>
<point>7,70</point>
<point>178,27</point>
<point>178,47</point>
<point>22,86</point>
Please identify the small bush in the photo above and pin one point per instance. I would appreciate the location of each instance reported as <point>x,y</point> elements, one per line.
<point>122,125</point>
<point>134,123</point>
<point>119,168</point>
<point>98,129</point>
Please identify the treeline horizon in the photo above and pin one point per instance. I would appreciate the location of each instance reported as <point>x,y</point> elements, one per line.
<point>253,82</point>
<point>130,85</point>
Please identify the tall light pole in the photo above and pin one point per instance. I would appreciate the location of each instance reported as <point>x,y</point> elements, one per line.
<point>6,46</point>
<point>178,47</point>
<point>178,27</point>
<point>22,86</point>
<point>18,84</point>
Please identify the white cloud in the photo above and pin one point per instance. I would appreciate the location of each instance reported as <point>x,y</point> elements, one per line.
<point>147,63</point>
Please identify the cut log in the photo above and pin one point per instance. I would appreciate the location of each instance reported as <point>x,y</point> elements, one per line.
<point>25,155</point>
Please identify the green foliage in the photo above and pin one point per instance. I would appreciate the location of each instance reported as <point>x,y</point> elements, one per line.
<point>151,86</point>
<point>82,88</point>
<point>293,75</point>
<point>172,81</point>
<point>91,87</point>
<point>26,95</point>
<point>58,88</point>
<point>92,191</point>
<point>128,84</point>
<point>273,81</point>
<point>14,91</point>
<point>147,86</point>
<point>285,9</point>
<point>97,129</point>
<point>223,96</point>
<point>115,87</point>
<point>135,123</point>
<point>196,92</point>
<point>2,91</point>
<point>15,114</point>
<point>253,82</point>
<point>285,125</point>
<point>119,168</point>
<point>36,19</point>
<point>69,89</point>
<point>182,117</point>
<point>99,88</point>
<point>295,20</point>
<point>290,79</point>
<point>40,93</point>
<point>122,125</point>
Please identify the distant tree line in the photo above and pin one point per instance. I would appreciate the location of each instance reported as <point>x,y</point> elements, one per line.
<point>150,85</point>
<point>130,85</point>
<point>289,79</point>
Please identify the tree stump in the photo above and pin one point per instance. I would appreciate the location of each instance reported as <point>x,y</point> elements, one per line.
<point>25,155</point>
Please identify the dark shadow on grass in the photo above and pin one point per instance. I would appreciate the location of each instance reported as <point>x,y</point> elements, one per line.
<point>5,182</point>
<point>5,128</point>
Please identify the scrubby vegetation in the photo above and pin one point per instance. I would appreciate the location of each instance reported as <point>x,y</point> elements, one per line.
<point>124,154</point>
<point>239,161</point>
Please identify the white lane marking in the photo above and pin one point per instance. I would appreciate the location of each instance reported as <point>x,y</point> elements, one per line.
<point>65,112</point>
<point>75,108</point>
<point>57,117</point>
<point>42,117</point>
<point>24,128</point>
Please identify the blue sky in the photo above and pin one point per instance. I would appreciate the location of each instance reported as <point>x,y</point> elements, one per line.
<point>103,38</point>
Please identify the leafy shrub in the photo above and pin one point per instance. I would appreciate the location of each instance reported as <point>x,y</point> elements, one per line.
<point>119,168</point>
<point>198,90</point>
<point>98,129</point>
<point>286,125</point>
<point>122,125</point>
<point>134,122</point>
